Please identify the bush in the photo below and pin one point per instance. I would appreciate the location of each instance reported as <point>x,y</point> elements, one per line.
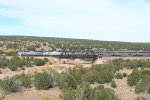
<point>113,84</point>
<point>77,73</point>
<point>43,81</point>
<point>11,85</point>
<point>139,87</point>
<point>124,74</point>
<point>39,62</point>
<point>140,98</point>
<point>15,83</point>
<point>13,67</point>
<point>46,60</point>
<point>101,93</point>
<point>119,76</point>
<point>102,76</point>
<point>68,82</point>
<point>83,91</point>
<point>68,94</point>
<point>134,77</point>
<point>55,77</point>
<point>25,79</point>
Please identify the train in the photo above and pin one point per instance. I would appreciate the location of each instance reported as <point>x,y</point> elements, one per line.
<point>91,53</point>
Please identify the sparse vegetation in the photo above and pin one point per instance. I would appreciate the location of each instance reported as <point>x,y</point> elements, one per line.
<point>16,62</point>
<point>119,76</point>
<point>74,44</point>
<point>76,82</point>
<point>113,84</point>
<point>140,98</point>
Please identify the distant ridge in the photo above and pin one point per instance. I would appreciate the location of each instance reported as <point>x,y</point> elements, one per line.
<point>80,43</point>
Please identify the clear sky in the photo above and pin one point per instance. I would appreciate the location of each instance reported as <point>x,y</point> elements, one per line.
<point>113,20</point>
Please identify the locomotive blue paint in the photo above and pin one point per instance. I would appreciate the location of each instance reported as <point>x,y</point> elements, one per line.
<point>54,53</point>
<point>30,53</point>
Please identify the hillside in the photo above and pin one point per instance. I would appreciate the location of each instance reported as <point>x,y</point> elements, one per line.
<point>50,43</point>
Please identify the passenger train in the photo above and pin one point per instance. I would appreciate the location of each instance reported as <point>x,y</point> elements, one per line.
<point>91,53</point>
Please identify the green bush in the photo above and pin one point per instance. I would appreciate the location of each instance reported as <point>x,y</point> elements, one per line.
<point>13,67</point>
<point>102,76</point>
<point>134,77</point>
<point>11,85</point>
<point>46,60</point>
<point>113,84</point>
<point>101,93</point>
<point>119,76</point>
<point>140,98</point>
<point>124,74</point>
<point>39,62</point>
<point>15,83</point>
<point>25,79</point>
<point>55,77</point>
<point>77,72</point>
<point>68,94</point>
<point>15,62</point>
<point>43,81</point>
<point>68,81</point>
<point>83,91</point>
<point>139,87</point>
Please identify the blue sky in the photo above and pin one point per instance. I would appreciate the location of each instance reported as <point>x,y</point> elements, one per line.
<point>113,20</point>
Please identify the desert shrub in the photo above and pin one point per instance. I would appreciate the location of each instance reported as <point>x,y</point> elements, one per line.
<point>11,85</point>
<point>102,76</point>
<point>134,77</point>
<point>77,73</point>
<point>119,76</point>
<point>83,91</point>
<point>13,67</point>
<point>31,48</point>
<point>10,53</point>
<point>39,62</point>
<point>46,60</point>
<point>37,45</point>
<point>68,94</point>
<point>43,81</point>
<point>67,81</point>
<point>15,62</point>
<point>15,83</point>
<point>25,79</point>
<point>140,98</point>
<point>55,77</point>
<point>124,74</point>
<point>1,71</point>
<point>141,80</point>
<point>1,82</point>
<point>113,84</point>
<point>142,86</point>
<point>101,93</point>
<point>44,44</point>
<point>139,87</point>
<point>91,76</point>
<point>1,45</point>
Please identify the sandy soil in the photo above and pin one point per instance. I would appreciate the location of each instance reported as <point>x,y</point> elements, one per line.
<point>33,94</point>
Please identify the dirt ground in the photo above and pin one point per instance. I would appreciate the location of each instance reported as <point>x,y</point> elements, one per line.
<point>33,94</point>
